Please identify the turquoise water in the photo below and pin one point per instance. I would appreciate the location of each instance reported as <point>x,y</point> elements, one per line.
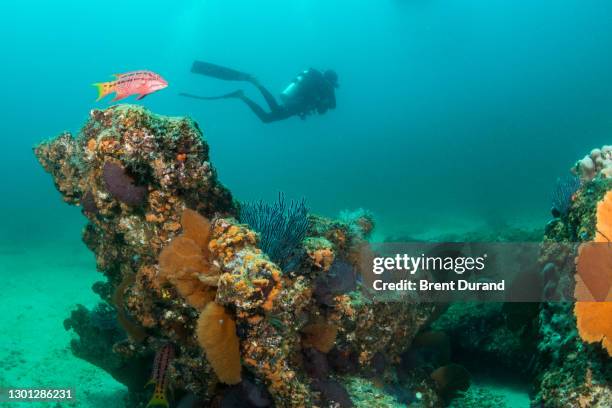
<point>448,111</point>
<point>451,114</point>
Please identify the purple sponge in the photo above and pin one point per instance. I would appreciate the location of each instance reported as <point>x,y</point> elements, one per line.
<point>121,185</point>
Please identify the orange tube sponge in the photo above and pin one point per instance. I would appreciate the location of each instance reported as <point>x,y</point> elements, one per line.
<point>216,333</point>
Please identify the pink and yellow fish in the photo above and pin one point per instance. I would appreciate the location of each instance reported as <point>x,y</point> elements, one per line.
<point>159,378</point>
<point>139,83</point>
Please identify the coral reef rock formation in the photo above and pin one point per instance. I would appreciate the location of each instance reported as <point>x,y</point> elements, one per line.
<point>179,269</point>
<point>574,367</point>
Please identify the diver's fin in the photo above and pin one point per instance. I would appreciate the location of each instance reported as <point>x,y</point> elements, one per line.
<point>235,94</point>
<point>219,72</point>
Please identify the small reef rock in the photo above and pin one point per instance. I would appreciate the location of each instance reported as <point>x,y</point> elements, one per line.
<point>180,269</point>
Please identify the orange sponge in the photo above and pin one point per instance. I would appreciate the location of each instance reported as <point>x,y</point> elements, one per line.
<point>196,228</point>
<point>604,219</point>
<point>594,272</point>
<point>216,333</point>
<point>185,264</point>
<point>594,322</point>
<point>593,280</point>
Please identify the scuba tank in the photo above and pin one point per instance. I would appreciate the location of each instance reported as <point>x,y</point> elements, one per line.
<point>291,93</point>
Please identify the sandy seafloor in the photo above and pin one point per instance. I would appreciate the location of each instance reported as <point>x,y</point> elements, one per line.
<point>47,279</point>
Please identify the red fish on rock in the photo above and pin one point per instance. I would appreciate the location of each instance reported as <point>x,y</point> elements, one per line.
<point>141,83</point>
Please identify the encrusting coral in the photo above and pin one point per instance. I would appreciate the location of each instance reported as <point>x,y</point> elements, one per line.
<point>182,270</point>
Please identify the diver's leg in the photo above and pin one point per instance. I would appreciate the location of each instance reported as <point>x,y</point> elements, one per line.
<point>235,94</point>
<point>270,99</point>
<point>265,117</point>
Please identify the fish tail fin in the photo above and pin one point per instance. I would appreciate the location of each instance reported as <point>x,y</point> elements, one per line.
<point>103,89</point>
<point>158,400</point>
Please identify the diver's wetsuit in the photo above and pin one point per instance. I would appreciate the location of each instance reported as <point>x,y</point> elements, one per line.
<point>277,112</point>
<point>314,93</point>
<point>311,91</point>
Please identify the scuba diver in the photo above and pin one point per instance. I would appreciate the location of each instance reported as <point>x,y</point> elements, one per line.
<point>311,91</point>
